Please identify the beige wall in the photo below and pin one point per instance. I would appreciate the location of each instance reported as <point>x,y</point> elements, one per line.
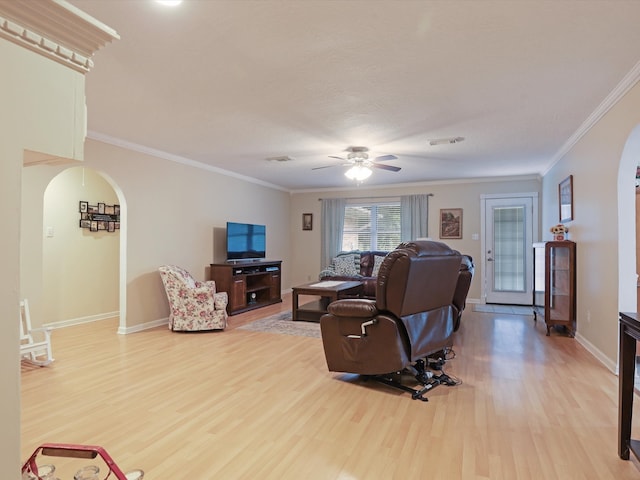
<point>604,215</point>
<point>461,194</point>
<point>42,110</point>
<point>170,212</point>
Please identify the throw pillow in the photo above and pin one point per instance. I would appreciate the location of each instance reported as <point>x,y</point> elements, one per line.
<point>377,261</point>
<point>356,262</point>
<point>344,265</point>
<point>355,254</point>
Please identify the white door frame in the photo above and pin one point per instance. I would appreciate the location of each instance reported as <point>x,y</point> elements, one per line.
<point>483,230</point>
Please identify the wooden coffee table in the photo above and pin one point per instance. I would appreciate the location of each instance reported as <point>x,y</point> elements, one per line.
<point>328,291</point>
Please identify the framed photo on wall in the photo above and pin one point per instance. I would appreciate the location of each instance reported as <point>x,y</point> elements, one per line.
<point>450,223</point>
<point>565,199</point>
<point>307,221</point>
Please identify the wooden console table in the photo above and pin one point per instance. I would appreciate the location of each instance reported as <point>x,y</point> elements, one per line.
<point>249,285</point>
<point>328,292</point>
<point>629,335</point>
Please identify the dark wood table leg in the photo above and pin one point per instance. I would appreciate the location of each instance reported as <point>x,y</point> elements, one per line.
<point>627,364</point>
<point>327,298</point>
<point>294,306</point>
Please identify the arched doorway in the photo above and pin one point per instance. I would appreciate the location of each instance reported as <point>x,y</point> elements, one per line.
<point>78,274</point>
<point>627,274</point>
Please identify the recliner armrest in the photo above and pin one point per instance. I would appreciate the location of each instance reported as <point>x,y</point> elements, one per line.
<point>353,307</point>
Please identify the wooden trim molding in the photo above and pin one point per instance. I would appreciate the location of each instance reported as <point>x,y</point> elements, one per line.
<point>55,29</point>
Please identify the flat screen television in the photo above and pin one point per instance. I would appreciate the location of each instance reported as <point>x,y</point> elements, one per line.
<point>245,241</point>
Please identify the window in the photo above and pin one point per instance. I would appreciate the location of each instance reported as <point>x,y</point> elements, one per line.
<point>371,227</point>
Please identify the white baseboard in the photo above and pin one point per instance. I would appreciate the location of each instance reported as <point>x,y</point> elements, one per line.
<point>80,320</point>
<point>144,326</point>
<point>593,350</point>
<point>106,316</point>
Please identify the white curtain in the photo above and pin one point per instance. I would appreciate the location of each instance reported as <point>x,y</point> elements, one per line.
<point>414,217</point>
<point>332,226</point>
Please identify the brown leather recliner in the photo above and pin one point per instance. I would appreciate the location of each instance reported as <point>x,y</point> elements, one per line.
<point>413,316</point>
<point>465,275</point>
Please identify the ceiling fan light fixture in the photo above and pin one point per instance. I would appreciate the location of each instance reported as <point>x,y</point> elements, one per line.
<point>169,3</point>
<point>358,173</point>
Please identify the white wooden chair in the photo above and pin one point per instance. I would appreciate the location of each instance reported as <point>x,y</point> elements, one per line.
<point>37,352</point>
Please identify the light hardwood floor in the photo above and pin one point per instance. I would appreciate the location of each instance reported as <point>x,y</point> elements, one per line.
<point>246,405</point>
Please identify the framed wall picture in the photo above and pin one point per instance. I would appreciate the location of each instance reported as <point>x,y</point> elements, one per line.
<point>565,199</point>
<point>450,223</point>
<point>84,206</point>
<point>307,221</point>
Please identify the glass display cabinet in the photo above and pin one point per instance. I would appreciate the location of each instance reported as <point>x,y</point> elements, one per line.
<point>554,284</point>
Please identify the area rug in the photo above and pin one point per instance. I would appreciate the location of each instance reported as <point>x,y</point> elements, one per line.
<point>281,323</point>
<point>503,309</point>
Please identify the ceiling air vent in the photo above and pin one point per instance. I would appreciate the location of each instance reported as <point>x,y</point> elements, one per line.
<point>283,158</point>
<point>444,141</point>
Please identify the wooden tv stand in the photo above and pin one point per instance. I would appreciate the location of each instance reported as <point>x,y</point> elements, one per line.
<point>249,285</point>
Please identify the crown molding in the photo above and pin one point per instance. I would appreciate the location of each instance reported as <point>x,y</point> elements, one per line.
<point>135,147</point>
<point>629,80</point>
<point>427,183</point>
<point>55,29</point>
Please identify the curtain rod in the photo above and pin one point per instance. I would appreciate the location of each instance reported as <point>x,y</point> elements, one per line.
<point>373,196</point>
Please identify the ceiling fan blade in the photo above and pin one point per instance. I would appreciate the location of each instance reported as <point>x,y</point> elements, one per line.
<point>386,167</point>
<point>385,158</point>
<point>339,158</point>
<point>326,166</point>
<point>333,165</point>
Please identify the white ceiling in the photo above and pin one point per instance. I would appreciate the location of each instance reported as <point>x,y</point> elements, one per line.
<point>232,83</point>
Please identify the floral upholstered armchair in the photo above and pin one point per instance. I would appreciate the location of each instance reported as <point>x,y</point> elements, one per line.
<point>194,305</point>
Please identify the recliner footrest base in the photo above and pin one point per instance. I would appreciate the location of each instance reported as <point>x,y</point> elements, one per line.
<point>416,393</point>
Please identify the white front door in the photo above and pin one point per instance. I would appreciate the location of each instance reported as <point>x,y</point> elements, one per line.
<point>509,228</point>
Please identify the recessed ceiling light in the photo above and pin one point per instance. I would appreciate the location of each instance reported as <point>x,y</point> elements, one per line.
<point>169,3</point>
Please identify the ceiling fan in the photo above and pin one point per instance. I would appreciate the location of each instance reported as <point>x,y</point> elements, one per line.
<point>358,159</point>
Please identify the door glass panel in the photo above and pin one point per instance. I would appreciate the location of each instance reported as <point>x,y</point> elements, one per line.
<point>509,249</point>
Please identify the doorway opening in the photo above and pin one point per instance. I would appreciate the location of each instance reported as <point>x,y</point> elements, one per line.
<point>73,274</point>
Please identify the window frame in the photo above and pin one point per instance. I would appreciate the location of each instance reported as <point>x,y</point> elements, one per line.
<point>374,227</point>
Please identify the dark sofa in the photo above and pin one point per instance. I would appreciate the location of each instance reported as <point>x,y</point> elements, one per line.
<point>364,263</point>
